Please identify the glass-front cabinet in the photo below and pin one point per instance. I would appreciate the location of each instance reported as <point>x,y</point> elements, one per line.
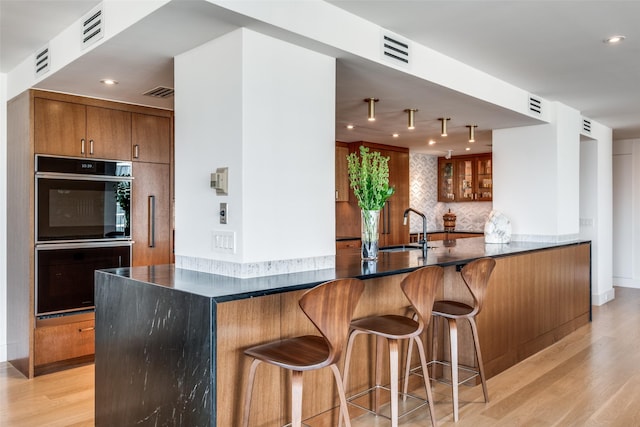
<point>465,178</point>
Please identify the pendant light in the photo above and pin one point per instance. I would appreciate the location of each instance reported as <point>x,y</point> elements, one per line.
<point>371,108</point>
<point>410,118</point>
<point>472,137</point>
<point>443,125</point>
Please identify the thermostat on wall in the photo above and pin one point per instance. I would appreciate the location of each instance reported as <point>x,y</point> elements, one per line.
<point>219,181</point>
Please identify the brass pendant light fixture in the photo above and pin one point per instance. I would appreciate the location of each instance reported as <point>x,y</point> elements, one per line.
<point>371,108</point>
<point>443,125</point>
<point>411,118</point>
<point>472,136</point>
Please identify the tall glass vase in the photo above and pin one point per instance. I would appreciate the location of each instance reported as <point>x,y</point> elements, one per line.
<point>370,236</point>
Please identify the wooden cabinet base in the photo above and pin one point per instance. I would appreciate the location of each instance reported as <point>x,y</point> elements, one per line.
<point>63,341</point>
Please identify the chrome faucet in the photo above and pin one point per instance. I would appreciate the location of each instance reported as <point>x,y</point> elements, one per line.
<point>423,242</point>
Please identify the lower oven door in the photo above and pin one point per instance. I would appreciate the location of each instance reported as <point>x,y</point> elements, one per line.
<point>65,274</point>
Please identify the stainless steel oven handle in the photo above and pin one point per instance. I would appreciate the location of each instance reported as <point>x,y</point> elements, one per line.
<point>152,221</point>
<point>81,177</point>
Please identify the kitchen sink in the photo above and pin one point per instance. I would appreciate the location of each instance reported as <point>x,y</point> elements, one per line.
<point>403,248</point>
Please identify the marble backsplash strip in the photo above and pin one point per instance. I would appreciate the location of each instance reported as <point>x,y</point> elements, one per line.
<point>256,269</point>
<point>423,196</point>
<point>544,238</point>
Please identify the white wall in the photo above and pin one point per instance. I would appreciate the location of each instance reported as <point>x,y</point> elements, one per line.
<point>267,112</point>
<point>3,217</point>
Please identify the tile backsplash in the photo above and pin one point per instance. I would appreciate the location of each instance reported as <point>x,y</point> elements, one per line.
<point>423,196</point>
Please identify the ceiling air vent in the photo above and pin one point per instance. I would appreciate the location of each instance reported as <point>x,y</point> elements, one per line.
<point>535,105</point>
<point>92,27</point>
<point>42,61</point>
<point>395,49</point>
<point>160,92</point>
<point>586,125</point>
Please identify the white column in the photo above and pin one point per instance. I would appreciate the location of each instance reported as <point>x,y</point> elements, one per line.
<point>265,109</point>
<point>536,170</point>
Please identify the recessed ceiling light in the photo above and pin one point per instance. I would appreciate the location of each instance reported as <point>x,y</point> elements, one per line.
<point>109,82</point>
<point>431,142</point>
<point>468,149</point>
<point>350,126</point>
<point>614,39</point>
<point>395,134</point>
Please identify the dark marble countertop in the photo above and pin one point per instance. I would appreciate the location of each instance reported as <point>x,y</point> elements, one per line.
<point>348,264</point>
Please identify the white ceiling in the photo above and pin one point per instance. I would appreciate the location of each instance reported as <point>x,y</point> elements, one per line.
<point>552,49</point>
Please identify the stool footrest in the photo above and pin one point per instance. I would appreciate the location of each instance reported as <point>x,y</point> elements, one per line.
<point>423,402</point>
<point>475,373</point>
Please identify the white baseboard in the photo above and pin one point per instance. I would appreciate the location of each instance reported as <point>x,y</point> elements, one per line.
<point>626,282</point>
<point>603,298</point>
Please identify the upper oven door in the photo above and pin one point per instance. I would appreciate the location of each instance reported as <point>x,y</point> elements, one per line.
<point>82,208</point>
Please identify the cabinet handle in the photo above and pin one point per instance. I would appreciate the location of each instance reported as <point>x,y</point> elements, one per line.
<point>91,147</point>
<point>152,221</point>
<point>90,328</point>
<point>82,146</point>
<point>136,151</point>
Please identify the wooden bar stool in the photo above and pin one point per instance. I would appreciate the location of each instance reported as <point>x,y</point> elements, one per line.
<point>330,307</point>
<point>420,288</point>
<point>476,276</point>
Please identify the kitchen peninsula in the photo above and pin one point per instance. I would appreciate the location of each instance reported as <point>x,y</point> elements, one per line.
<point>169,342</point>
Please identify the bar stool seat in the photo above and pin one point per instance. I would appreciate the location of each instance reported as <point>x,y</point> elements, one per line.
<point>420,288</point>
<point>330,307</point>
<point>476,276</point>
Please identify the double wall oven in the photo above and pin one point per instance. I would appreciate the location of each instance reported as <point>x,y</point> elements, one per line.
<point>82,225</point>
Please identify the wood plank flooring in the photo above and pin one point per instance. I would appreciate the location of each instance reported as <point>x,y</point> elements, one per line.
<point>589,378</point>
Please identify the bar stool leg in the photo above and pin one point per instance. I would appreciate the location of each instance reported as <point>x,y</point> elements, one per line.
<point>453,342</point>
<point>393,369</point>
<point>343,399</point>
<point>427,382</point>
<point>249,388</point>
<point>379,344</point>
<point>476,343</point>
<point>407,371</point>
<point>296,398</point>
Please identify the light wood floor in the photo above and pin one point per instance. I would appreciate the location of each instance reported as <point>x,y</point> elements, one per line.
<point>589,378</point>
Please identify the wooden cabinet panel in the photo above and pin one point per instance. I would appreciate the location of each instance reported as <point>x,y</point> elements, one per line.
<point>108,133</point>
<point>342,174</point>
<point>151,214</point>
<point>59,127</point>
<point>151,138</point>
<point>60,342</point>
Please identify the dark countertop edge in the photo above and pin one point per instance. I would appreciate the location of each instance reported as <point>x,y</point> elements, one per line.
<point>307,284</point>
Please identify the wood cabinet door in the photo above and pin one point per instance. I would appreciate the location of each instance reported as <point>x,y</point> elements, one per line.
<point>151,214</point>
<point>108,133</point>
<point>151,138</point>
<point>398,233</point>
<point>342,174</point>
<point>59,127</point>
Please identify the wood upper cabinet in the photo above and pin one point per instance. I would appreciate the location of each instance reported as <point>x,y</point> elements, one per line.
<point>151,138</point>
<point>342,173</point>
<point>151,214</point>
<point>72,129</point>
<point>465,178</point>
